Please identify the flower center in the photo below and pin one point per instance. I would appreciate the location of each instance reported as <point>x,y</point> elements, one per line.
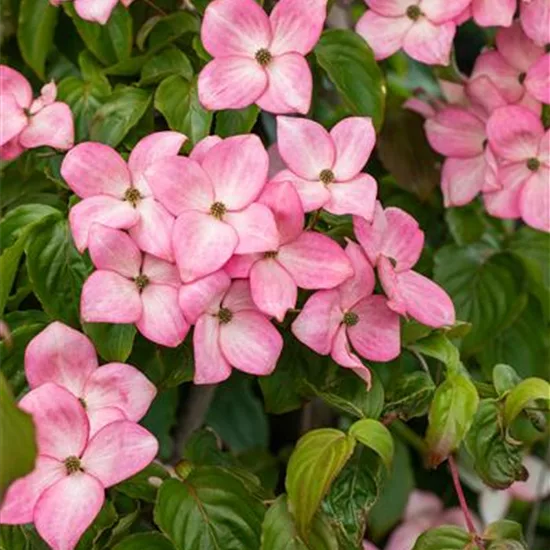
<point>72,465</point>
<point>224,315</point>
<point>413,12</point>
<point>141,281</point>
<point>521,77</point>
<point>547,48</point>
<point>133,196</point>
<point>263,57</point>
<point>533,164</point>
<point>218,210</point>
<point>350,318</point>
<point>326,176</point>
<point>271,254</point>
<point>82,402</point>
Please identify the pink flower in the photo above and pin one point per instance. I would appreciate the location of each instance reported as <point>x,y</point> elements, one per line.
<point>393,243</point>
<point>66,490</point>
<point>64,356</point>
<point>303,259</point>
<point>490,13</point>
<point>214,201</point>
<point>260,59</point>
<point>424,29</point>
<point>518,137</point>
<point>332,319</point>
<point>325,168</point>
<point>230,331</point>
<point>117,194</point>
<point>94,10</point>
<point>131,287</point>
<point>535,20</point>
<point>25,123</point>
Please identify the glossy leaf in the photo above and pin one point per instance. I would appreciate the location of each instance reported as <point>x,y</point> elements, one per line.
<point>465,223</point>
<point>410,395</point>
<point>526,391</point>
<point>439,347</point>
<point>112,342</point>
<point>504,378</point>
<point>170,61</point>
<point>232,122</point>
<point>375,436</point>
<point>145,541</point>
<point>447,537</point>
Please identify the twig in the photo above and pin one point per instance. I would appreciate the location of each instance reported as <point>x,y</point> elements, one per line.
<point>422,362</point>
<point>535,510</point>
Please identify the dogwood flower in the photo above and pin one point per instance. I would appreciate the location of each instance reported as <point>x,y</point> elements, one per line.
<point>66,490</point>
<point>393,243</point>
<point>28,123</point>
<point>534,16</point>
<point>92,10</point>
<point>116,193</point>
<point>303,259</point>
<point>66,357</point>
<point>131,287</point>
<point>490,13</point>
<point>332,319</point>
<point>518,137</point>
<point>230,331</point>
<point>259,59</point>
<point>325,168</point>
<point>424,29</point>
<point>215,204</point>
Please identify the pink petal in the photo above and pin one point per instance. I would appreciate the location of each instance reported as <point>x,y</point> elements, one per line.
<point>180,184</point>
<point>501,73</point>
<point>305,146</point>
<point>235,27</point>
<point>356,196</point>
<point>108,297</point>
<point>239,297</point>
<point>61,355</point>
<point>514,133</point>
<point>488,13</point>
<point>11,150</point>
<point>389,8</point>
<point>251,343</point>
<point>203,295</point>
<point>239,266</point>
<point>67,509</point>
<point>296,26</point>
<point>422,503</point>
<point>14,83</point>
<point>385,35</point>
<point>377,334</point>
<point>439,11</point>
<point>403,240</point>
<point>273,289</point>
<point>482,91</point>
<point>202,147</point>
<point>371,235</point>
<point>162,320</point>
<point>95,169</point>
<point>516,48</point>
<point>537,81</point>
<point>315,261</point>
<point>113,250</point>
<point>313,194</point>
<point>362,283</point>
<point>535,200</point>
<point>341,353</point>
<point>60,421</point>
<point>406,534</point>
<point>160,272</point>
<point>354,140</point>
<point>52,126</point>
<point>430,43</point>
<point>535,20</point>
<point>98,11</point>
<point>104,210</point>
<point>462,179</point>
<point>505,203</point>
<point>121,386</point>
<point>455,132</point>
<point>544,149</point>
<point>423,108</point>
<point>99,418</point>
<point>538,483</point>
<point>211,366</point>
<point>289,85</point>
<point>119,451</point>
<point>14,119</point>
<point>231,82</point>
<point>21,496</point>
<point>152,148</point>
<point>237,167</point>
<point>202,244</point>
<point>317,323</point>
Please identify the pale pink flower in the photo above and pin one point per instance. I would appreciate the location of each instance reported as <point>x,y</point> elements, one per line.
<point>25,123</point>
<point>489,13</point>
<point>98,11</point>
<point>393,243</point>
<point>213,195</point>
<point>427,106</point>
<point>66,357</point>
<point>116,193</point>
<point>424,29</point>
<point>131,287</point>
<point>332,321</point>
<point>230,331</point>
<point>303,259</point>
<point>535,20</point>
<point>325,168</point>
<point>518,137</point>
<point>260,59</point>
<point>66,490</point>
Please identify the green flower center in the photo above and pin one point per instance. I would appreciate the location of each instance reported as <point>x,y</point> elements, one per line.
<point>350,318</point>
<point>218,210</point>
<point>533,164</point>
<point>224,315</point>
<point>326,176</point>
<point>263,57</point>
<point>133,196</point>
<point>413,12</point>
<point>73,465</point>
<point>141,281</point>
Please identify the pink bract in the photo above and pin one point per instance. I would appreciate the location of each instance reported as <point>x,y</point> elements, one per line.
<point>259,59</point>
<point>535,20</point>
<point>97,11</point>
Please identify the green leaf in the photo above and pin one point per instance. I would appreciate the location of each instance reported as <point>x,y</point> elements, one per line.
<point>210,509</point>
<point>350,65</point>
<point>140,487</point>
<point>35,30</point>
<point>439,347</point>
<point>504,378</point>
<point>466,223</point>
<point>410,395</point>
<point>13,537</point>
<point>112,342</point>
<point>56,269</point>
<point>170,61</point>
<point>451,414</point>
<point>93,73</point>
<point>318,458</point>
<point>169,28</point>
<point>117,116</point>
<point>144,541</point>
<point>375,436</point>
<point>15,426</point>
<point>526,391</point>
<point>178,102</point>
<point>232,122</point>
<point>444,538</point>
<point>504,529</point>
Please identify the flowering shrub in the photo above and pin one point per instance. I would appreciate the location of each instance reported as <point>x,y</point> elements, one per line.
<point>275,275</point>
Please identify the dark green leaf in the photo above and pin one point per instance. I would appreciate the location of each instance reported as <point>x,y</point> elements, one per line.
<point>145,541</point>
<point>444,538</point>
<point>112,342</point>
<point>170,61</point>
<point>410,395</point>
<point>233,122</point>
<point>170,28</point>
<point>144,485</point>
<point>465,224</point>
<point>13,537</point>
